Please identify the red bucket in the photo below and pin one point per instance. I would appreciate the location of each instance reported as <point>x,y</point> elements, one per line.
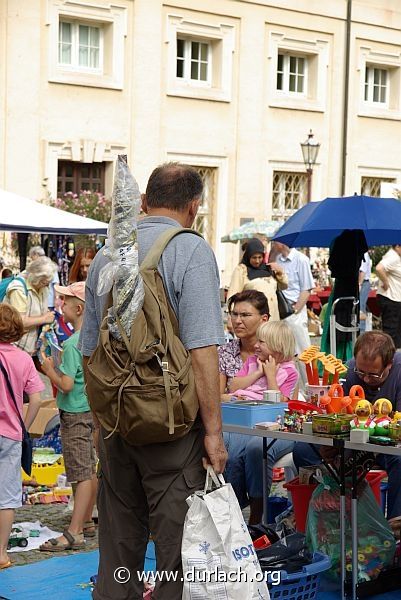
<point>301,494</point>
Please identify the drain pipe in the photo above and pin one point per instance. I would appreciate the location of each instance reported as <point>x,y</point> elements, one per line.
<point>346,98</point>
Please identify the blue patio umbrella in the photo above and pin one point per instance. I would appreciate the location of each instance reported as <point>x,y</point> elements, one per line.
<point>319,223</point>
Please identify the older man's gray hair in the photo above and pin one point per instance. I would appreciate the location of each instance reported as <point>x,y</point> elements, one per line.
<point>35,252</point>
<point>40,269</point>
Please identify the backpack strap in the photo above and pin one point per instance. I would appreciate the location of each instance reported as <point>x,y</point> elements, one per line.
<point>153,257</point>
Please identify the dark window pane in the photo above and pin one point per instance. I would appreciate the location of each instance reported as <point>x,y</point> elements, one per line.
<point>195,50</point>
<point>279,81</point>
<point>280,62</point>
<point>203,72</point>
<point>180,68</point>
<point>180,48</point>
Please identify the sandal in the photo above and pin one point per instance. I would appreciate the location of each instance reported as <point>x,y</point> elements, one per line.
<point>5,565</point>
<point>89,529</point>
<point>54,545</point>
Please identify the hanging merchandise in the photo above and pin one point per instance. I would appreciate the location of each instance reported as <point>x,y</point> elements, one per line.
<point>376,542</point>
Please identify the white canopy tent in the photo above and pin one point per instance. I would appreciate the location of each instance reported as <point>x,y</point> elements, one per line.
<point>23,215</point>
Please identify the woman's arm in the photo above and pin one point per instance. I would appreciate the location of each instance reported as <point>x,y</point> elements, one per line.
<point>244,381</point>
<point>237,281</point>
<point>280,275</point>
<point>223,382</point>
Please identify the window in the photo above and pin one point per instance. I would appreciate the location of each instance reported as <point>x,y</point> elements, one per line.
<point>199,58</point>
<point>371,186</point>
<point>291,73</point>
<point>376,85</point>
<point>289,193</point>
<point>76,176</point>
<point>80,46</point>
<point>193,60</point>
<point>86,43</point>
<point>204,222</point>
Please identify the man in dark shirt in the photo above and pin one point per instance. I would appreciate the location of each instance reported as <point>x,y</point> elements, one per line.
<point>376,367</point>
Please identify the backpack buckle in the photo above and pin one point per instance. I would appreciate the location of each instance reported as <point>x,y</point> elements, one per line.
<point>162,363</point>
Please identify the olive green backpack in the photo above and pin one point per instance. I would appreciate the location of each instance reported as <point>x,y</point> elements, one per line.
<point>144,388</point>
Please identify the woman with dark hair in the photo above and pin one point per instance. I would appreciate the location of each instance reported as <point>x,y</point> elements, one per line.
<point>244,468</point>
<point>80,266</point>
<point>254,274</point>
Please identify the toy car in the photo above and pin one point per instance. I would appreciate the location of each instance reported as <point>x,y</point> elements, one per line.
<point>18,537</point>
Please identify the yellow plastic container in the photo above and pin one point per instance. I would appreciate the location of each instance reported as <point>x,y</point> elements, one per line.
<point>45,474</point>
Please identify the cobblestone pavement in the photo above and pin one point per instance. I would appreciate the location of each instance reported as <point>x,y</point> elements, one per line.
<point>50,515</point>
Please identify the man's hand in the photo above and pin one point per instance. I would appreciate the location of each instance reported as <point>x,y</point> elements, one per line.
<point>216,452</point>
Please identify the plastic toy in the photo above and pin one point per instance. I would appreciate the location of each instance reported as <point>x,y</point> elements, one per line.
<point>18,537</point>
<point>382,409</point>
<point>356,393</point>
<point>363,417</point>
<point>333,401</point>
<point>396,416</point>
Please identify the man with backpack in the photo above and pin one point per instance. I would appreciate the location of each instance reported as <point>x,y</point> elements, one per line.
<point>143,486</point>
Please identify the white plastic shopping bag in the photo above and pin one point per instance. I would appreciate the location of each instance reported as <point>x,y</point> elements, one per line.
<point>218,557</point>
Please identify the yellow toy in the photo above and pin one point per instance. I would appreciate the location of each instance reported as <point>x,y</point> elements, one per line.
<point>381,410</point>
<point>363,417</point>
<point>396,416</point>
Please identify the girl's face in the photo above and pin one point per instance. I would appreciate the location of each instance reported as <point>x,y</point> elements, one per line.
<point>84,268</point>
<point>256,260</point>
<point>245,319</point>
<point>263,352</point>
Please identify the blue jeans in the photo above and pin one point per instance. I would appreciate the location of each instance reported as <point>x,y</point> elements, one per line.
<point>244,468</point>
<point>304,455</point>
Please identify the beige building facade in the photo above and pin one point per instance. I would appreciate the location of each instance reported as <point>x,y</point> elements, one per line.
<point>229,86</point>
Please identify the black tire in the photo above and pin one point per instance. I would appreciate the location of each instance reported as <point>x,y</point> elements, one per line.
<point>23,543</point>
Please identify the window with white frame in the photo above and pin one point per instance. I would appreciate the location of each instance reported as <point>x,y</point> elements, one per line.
<point>199,58</point>
<point>205,218</point>
<point>289,193</point>
<point>194,60</point>
<point>86,43</point>
<point>376,85</point>
<point>371,186</point>
<point>80,46</point>
<point>297,66</point>
<point>291,74</point>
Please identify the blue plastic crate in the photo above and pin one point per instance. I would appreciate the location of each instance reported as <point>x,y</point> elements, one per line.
<point>302,585</point>
<point>249,413</point>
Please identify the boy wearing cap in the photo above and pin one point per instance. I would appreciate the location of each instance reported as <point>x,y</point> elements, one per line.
<point>76,424</point>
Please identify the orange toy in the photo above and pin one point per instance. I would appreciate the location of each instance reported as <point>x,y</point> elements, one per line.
<point>356,393</point>
<point>333,401</point>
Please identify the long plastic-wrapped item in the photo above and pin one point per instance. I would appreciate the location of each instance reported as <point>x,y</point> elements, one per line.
<point>122,271</point>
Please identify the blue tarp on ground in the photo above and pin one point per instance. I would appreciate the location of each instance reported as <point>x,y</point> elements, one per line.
<point>60,576</point>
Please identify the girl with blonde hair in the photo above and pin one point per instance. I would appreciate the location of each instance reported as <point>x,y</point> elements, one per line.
<point>271,367</point>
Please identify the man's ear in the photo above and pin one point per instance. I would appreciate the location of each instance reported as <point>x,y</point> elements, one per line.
<point>144,204</point>
<point>194,207</point>
<point>80,309</point>
<point>265,318</point>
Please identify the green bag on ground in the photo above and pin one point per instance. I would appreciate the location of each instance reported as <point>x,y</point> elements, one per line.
<point>376,543</point>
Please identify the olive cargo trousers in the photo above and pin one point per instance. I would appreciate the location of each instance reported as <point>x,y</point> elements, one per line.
<point>143,489</point>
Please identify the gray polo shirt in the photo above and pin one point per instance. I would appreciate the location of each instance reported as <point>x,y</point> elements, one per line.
<point>191,278</point>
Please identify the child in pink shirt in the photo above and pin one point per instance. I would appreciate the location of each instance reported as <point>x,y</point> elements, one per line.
<point>272,367</point>
<point>23,377</point>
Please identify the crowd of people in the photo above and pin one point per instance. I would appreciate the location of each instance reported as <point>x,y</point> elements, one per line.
<point>142,489</point>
